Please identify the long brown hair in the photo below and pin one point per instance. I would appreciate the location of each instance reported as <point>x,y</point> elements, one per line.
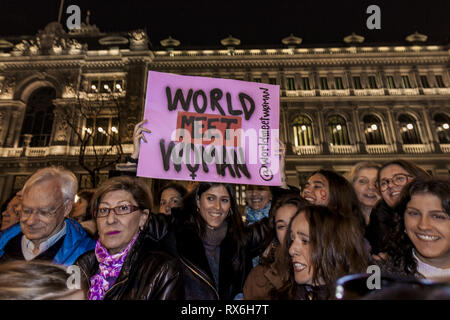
<point>337,248</point>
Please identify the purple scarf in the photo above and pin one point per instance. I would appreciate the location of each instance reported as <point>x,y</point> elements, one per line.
<point>109,269</point>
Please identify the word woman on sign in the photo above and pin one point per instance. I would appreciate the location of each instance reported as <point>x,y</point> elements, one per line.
<point>207,129</point>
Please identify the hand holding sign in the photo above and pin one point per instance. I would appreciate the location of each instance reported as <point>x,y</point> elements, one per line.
<point>138,134</point>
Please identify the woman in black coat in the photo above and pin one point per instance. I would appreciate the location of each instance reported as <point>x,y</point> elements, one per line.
<point>212,243</point>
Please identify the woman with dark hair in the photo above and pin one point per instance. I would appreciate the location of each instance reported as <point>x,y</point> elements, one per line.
<point>393,176</point>
<point>420,243</point>
<point>10,212</point>
<point>212,243</point>
<point>170,196</point>
<point>330,189</point>
<point>321,246</point>
<point>125,264</point>
<point>268,275</point>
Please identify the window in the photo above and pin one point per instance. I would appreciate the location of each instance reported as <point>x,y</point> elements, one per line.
<point>104,130</point>
<point>442,122</point>
<point>408,129</point>
<point>256,79</point>
<point>323,83</point>
<point>373,82</point>
<point>305,83</point>
<point>338,133</point>
<point>272,80</point>
<point>373,130</point>
<point>339,83</point>
<point>106,85</point>
<point>303,134</point>
<point>440,81</point>
<point>38,121</point>
<point>390,82</point>
<point>357,82</point>
<point>405,82</point>
<point>424,81</point>
<point>290,84</point>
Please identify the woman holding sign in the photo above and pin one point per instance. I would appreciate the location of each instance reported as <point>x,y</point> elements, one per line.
<point>212,243</point>
<point>209,237</point>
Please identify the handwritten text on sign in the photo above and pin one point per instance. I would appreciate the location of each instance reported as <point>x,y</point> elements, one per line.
<point>208,129</point>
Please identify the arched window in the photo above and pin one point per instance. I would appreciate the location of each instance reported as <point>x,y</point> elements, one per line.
<point>373,130</point>
<point>303,134</point>
<point>442,122</point>
<point>39,116</point>
<point>337,128</point>
<point>409,130</point>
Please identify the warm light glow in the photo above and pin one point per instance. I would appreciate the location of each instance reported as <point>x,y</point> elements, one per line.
<point>303,128</point>
<point>374,127</point>
<point>106,87</point>
<point>100,129</point>
<point>338,127</point>
<point>94,87</point>
<point>114,129</point>
<point>88,130</point>
<point>118,86</point>
<point>445,126</point>
<point>77,198</point>
<point>409,126</point>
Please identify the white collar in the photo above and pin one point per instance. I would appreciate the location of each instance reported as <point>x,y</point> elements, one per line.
<point>430,272</point>
<point>28,245</point>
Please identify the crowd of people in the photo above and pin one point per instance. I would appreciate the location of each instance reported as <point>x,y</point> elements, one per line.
<point>311,243</point>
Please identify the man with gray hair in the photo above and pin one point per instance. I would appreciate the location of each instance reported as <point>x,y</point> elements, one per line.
<point>44,231</point>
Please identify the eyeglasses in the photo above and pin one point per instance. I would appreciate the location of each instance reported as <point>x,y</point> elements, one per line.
<point>26,212</point>
<point>119,210</point>
<point>399,179</point>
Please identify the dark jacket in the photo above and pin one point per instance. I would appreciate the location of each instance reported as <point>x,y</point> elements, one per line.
<point>183,241</point>
<point>380,226</point>
<point>147,274</point>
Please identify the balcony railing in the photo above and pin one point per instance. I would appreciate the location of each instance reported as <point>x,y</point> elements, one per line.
<point>63,151</point>
<point>378,148</point>
<point>343,149</point>
<point>415,148</point>
<point>307,150</point>
<point>445,147</point>
<point>300,93</point>
<point>369,92</point>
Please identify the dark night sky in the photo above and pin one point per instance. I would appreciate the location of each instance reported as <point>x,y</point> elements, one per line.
<point>205,22</point>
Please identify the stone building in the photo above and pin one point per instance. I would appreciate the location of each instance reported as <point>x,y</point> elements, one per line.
<point>340,104</point>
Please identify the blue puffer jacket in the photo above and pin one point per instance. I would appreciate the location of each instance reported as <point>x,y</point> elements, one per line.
<point>76,242</point>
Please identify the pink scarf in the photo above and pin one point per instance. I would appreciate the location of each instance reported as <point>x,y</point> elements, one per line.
<point>109,269</point>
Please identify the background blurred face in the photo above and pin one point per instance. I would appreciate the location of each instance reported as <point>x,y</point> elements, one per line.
<point>282,218</point>
<point>317,190</point>
<point>79,210</point>
<point>300,250</point>
<point>428,227</point>
<point>214,205</point>
<point>11,215</point>
<point>258,197</point>
<point>47,197</point>
<point>392,194</point>
<point>117,231</point>
<point>365,189</point>
<point>170,198</point>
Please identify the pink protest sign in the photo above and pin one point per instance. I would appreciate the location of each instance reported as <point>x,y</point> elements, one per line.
<point>208,129</point>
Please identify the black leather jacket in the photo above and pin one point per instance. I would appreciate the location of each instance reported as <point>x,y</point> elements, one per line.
<point>146,274</point>
<point>184,242</point>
